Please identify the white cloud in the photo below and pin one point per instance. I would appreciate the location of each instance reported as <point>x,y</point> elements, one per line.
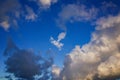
<point>100,58</point>
<point>61,36</point>
<point>5,25</point>
<point>55,71</point>
<point>106,23</point>
<point>110,66</point>
<point>47,3</point>
<point>57,42</point>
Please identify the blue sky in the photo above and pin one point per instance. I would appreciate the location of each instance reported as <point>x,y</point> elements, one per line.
<point>65,28</point>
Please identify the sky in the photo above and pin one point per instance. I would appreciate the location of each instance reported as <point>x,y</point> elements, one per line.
<point>59,39</point>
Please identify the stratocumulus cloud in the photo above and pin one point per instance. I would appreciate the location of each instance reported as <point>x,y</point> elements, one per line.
<point>100,58</point>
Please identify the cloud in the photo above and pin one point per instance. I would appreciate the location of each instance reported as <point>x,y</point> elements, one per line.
<point>30,14</point>
<point>75,12</point>
<point>55,72</point>
<point>25,64</point>
<point>8,7</point>
<point>108,7</point>
<point>61,36</point>
<point>100,58</point>
<point>106,23</point>
<point>57,42</point>
<point>47,3</point>
<point>13,10</point>
<point>110,67</point>
<point>5,25</point>
<point>82,13</point>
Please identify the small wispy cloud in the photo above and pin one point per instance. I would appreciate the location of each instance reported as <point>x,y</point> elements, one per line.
<point>31,15</point>
<point>57,42</point>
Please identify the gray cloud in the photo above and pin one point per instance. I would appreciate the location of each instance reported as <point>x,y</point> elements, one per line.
<point>82,13</point>
<point>100,58</point>
<point>25,64</point>
<point>13,10</point>
<point>76,12</point>
<point>8,7</point>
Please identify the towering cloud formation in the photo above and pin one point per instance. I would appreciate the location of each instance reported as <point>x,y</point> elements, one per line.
<point>100,58</point>
<point>57,42</point>
<point>25,64</point>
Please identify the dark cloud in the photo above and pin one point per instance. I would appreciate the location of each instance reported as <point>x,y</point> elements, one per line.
<point>10,47</point>
<point>6,7</point>
<point>96,77</point>
<point>25,64</point>
<point>8,77</point>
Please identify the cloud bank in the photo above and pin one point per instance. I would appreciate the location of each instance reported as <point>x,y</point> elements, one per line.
<point>100,58</point>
